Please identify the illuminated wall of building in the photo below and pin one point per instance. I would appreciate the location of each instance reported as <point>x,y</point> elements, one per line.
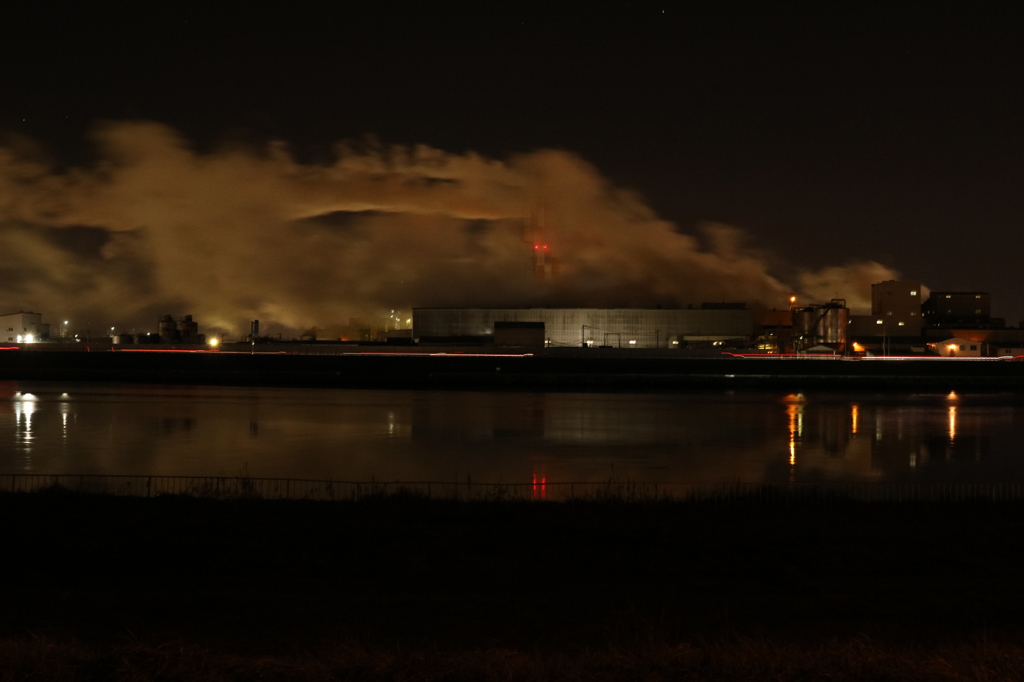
<point>616,327</point>
<point>23,327</point>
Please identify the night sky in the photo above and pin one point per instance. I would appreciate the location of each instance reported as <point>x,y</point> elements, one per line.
<point>829,137</point>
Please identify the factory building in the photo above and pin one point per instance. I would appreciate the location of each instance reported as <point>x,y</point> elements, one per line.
<point>23,327</point>
<point>971,309</point>
<point>171,331</point>
<point>713,324</point>
<point>896,308</point>
<point>822,327</point>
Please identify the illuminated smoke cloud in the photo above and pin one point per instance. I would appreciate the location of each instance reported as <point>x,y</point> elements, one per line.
<point>851,282</point>
<point>155,227</point>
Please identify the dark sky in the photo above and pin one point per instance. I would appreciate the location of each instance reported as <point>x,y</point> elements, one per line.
<point>829,135</point>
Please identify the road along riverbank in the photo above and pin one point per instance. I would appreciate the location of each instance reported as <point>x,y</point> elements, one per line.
<point>577,369</point>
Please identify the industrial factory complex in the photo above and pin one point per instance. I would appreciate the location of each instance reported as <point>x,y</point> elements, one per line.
<point>904,321</point>
<point>710,325</point>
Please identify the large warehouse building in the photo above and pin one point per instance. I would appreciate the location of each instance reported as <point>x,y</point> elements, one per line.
<point>712,323</point>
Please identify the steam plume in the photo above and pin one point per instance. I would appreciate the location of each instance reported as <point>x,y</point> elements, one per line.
<point>239,234</point>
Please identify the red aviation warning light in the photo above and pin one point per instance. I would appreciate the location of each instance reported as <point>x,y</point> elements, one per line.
<point>535,232</point>
<point>544,265</point>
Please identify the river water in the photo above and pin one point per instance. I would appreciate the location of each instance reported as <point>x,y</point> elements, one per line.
<point>510,437</point>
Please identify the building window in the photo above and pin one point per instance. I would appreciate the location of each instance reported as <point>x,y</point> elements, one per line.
<point>948,296</point>
<point>889,313</point>
<point>963,347</point>
<point>974,348</point>
<point>913,293</point>
<point>878,322</point>
<point>978,296</point>
<point>978,311</point>
<point>901,324</point>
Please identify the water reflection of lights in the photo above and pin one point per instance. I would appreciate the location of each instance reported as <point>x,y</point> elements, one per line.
<point>796,426</point>
<point>952,397</point>
<point>64,409</point>
<point>540,486</point>
<point>24,408</point>
<point>854,415</point>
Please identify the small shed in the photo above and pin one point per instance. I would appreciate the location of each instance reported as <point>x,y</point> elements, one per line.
<point>957,347</point>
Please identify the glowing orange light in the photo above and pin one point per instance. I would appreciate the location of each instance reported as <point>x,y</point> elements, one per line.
<point>854,413</point>
<point>791,412</point>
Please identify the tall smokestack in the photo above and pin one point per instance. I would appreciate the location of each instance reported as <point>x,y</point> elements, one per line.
<point>545,265</point>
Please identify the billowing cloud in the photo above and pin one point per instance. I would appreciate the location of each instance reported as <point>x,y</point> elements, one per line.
<point>238,234</point>
<point>850,282</point>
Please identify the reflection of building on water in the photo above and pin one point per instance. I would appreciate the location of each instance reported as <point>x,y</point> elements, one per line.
<point>903,449</point>
<point>828,427</point>
<point>893,453</point>
<point>823,442</point>
<point>836,430</point>
<point>849,439</point>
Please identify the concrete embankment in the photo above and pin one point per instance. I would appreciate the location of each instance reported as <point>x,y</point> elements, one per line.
<point>538,369</point>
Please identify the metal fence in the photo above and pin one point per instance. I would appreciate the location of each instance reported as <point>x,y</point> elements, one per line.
<point>244,487</point>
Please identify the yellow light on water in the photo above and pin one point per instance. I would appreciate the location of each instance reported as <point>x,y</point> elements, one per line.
<point>793,411</point>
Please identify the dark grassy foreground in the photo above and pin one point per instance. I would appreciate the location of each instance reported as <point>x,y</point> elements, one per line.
<point>97,588</point>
